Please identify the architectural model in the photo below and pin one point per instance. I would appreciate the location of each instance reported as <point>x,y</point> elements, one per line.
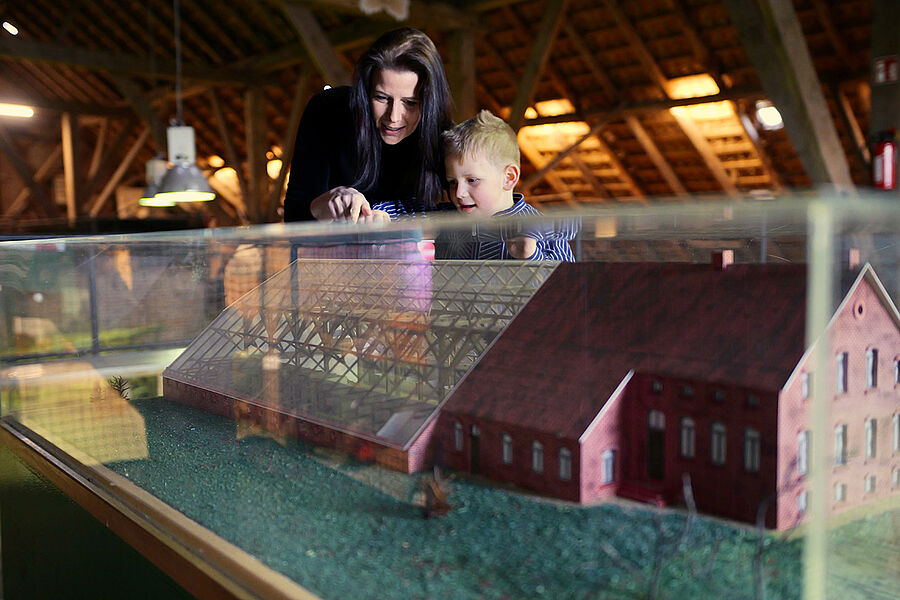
<point>578,381</point>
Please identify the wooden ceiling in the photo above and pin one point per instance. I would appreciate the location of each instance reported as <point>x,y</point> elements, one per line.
<point>605,93</point>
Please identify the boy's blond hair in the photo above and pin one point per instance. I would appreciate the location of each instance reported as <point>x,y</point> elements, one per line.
<point>484,135</point>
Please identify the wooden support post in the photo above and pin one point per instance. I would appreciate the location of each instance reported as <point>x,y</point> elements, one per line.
<point>25,173</point>
<point>317,45</point>
<point>98,148</point>
<point>143,109</point>
<point>301,95</point>
<point>540,51</point>
<point>69,124</point>
<point>462,73</point>
<point>231,156</point>
<point>255,127</point>
<point>771,35</point>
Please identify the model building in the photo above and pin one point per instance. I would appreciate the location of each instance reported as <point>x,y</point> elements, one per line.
<point>578,381</point>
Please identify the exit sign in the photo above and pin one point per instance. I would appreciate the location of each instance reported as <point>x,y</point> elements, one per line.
<point>886,69</point>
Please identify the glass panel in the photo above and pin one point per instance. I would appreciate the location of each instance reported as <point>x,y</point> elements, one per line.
<point>291,389</point>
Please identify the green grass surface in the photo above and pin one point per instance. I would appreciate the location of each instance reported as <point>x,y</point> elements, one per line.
<point>344,539</point>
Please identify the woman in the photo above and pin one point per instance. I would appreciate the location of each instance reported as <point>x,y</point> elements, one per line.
<point>375,145</point>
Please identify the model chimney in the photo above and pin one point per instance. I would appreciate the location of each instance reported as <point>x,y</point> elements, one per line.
<point>721,259</point>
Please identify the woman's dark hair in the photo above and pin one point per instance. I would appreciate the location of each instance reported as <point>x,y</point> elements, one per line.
<point>404,49</point>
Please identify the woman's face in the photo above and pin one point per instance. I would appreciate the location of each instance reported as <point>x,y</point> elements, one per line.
<point>395,107</point>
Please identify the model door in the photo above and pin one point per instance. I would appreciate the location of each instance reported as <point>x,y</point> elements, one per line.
<point>475,448</point>
<point>656,445</point>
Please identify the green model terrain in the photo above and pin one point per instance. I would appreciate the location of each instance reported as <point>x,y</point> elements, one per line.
<point>318,524</point>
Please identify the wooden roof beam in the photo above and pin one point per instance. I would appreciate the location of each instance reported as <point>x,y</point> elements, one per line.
<point>317,46</point>
<point>772,37</point>
<point>538,160</point>
<point>662,165</point>
<point>540,52</point>
<point>690,129</point>
<point>558,157</point>
<point>50,165</point>
<point>588,58</point>
<point>860,144</point>
<point>116,178</point>
<point>637,44</point>
<point>301,95</point>
<point>8,147</point>
<point>823,13</point>
<point>761,152</point>
<point>23,49</point>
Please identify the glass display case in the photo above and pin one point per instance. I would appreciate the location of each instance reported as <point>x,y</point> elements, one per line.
<point>706,403</point>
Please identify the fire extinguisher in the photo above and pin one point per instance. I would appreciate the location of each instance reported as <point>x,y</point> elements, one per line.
<point>884,161</point>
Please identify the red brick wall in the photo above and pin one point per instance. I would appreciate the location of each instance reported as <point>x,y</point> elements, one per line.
<point>726,490</point>
<point>604,435</point>
<point>852,332</point>
<point>491,463</point>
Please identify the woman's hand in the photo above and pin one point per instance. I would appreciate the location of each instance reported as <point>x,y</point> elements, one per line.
<point>341,203</point>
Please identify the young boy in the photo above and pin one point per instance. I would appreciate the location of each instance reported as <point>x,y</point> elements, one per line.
<point>481,156</point>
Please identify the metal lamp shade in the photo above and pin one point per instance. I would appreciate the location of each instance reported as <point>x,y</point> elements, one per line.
<point>148,198</point>
<point>184,182</point>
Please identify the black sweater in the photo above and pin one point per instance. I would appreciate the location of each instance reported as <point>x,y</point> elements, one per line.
<point>325,157</point>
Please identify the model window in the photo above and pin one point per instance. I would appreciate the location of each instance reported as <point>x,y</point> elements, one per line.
<point>457,436</point>
<point>607,467</point>
<point>896,371</point>
<point>751,450</point>
<point>688,437</point>
<point>840,492</point>
<point>805,381</point>
<point>840,445</point>
<point>801,501</point>
<point>870,484</point>
<point>507,449</point>
<point>687,391</point>
<point>717,438</point>
<point>895,478</point>
<point>656,420</point>
<point>719,396</point>
<point>656,386</point>
<point>871,437</point>
<point>565,464</point>
<point>537,457</point>
<point>896,428</point>
<point>803,452</point>
<point>841,375</point>
<point>872,367</point>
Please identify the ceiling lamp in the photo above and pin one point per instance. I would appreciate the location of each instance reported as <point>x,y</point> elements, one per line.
<point>16,110</point>
<point>184,181</point>
<point>768,116</point>
<point>156,170</point>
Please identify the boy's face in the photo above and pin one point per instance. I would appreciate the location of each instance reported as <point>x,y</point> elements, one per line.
<point>478,187</point>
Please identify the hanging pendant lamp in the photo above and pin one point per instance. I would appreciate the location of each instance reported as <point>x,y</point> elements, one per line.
<point>184,181</point>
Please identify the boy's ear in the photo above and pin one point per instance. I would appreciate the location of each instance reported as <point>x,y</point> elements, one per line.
<point>510,177</point>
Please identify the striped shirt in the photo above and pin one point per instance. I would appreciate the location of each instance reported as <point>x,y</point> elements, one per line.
<point>489,243</point>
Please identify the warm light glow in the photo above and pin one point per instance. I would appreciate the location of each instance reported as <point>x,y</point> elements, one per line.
<point>273,168</point>
<point>16,110</point>
<point>768,116</point>
<point>12,29</point>
<point>553,108</point>
<point>605,227</point>
<point>215,161</point>
<point>276,150</point>
<point>530,113</point>
<point>574,129</point>
<point>327,87</point>
<point>228,176</point>
<point>186,196</point>
<point>692,86</point>
<point>706,111</point>
<point>156,201</point>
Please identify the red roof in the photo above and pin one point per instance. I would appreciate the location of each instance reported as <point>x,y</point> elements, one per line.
<point>562,357</point>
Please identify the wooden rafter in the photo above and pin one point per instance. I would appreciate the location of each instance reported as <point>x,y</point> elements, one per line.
<point>589,176</point>
<point>823,13</point>
<point>97,154</point>
<point>25,172</point>
<point>860,144</point>
<point>662,165</point>
<point>50,165</point>
<point>317,45</point>
<point>623,174</point>
<point>540,52</point>
<point>255,128</point>
<point>559,157</point>
<point>537,159</point>
<point>588,58</point>
<point>114,181</point>
<point>145,112</point>
<point>690,129</point>
<point>636,43</point>
<point>753,136</point>
<point>111,158</point>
